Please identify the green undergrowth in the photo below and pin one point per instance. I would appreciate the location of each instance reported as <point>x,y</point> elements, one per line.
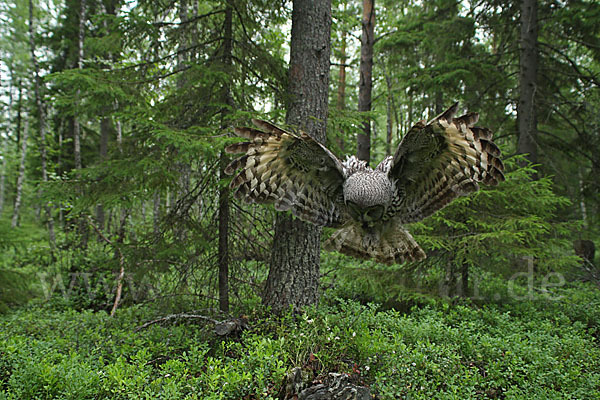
<point>543,349</point>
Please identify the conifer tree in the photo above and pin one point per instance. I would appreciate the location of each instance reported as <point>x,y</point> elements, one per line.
<point>23,134</point>
<point>294,267</point>
<point>365,87</point>
<point>41,113</point>
<point>528,65</point>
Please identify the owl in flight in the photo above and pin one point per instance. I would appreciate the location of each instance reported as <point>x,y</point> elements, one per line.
<point>435,163</point>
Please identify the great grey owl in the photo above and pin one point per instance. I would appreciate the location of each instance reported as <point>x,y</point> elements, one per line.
<point>435,163</point>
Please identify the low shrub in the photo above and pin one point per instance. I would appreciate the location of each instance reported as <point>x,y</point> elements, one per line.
<point>538,350</point>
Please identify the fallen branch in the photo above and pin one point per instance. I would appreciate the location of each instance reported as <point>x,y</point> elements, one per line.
<point>222,328</point>
<point>176,316</point>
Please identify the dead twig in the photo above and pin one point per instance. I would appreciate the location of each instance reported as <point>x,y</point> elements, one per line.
<point>121,261</point>
<point>176,316</point>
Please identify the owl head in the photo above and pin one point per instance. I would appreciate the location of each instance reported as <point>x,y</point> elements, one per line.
<point>367,194</point>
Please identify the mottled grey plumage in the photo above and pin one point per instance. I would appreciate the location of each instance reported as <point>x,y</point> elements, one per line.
<point>435,163</point>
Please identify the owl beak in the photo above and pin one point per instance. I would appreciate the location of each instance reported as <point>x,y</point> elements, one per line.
<point>373,214</point>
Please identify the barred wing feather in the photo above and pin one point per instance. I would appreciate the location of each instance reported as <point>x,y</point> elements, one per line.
<point>293,172</point>
<point>441,160</point>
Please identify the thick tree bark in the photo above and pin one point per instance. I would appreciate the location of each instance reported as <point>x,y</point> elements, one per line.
<point>21,176</point>
<point>528,64</point>
<point>42,123</point>
<point>365,86</point>
<point>294,274</point>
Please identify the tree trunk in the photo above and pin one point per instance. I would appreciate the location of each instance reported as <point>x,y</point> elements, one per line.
<point>390,118</point>
<point>106,128</point>
<point>439,102</point>
<point>341,92</point>
<point>294,271</point>
<point>61,216</point>
<point>76,125</point>
<point>223,258</point>
<point>528,62</point>
<point>82,224</point>
<point>183,168</point>
<point>42,124</point>
<point>365,86</point>
<point>464,280</point>
<point>21,176</point>
<point>119,136</point>
<point>106,124</point>
<point>3,172</point>
<point>409,119</point>
<point>156,214</point>
<point>19,112</point>
<point>398,118</point>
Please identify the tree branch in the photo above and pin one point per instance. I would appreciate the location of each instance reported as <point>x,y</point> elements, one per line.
<point>188,21</point>
<point>591,77</point>
<point>176,316</point>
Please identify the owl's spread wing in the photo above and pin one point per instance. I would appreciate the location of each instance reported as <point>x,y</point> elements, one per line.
<point>441,160</point>
<point>294,172</point>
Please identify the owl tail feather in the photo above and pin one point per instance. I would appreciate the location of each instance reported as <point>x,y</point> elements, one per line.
<point>392,246</point>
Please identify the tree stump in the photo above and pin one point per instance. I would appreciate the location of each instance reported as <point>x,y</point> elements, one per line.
<point>334,386</point>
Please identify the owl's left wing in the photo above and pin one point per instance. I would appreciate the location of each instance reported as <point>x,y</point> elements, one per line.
<point>293,172</point>
<point>441,160</point>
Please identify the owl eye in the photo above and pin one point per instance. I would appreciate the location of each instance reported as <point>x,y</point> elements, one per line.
<point>354,209</point>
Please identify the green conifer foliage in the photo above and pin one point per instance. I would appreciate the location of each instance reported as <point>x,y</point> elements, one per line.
<point>503,230</point>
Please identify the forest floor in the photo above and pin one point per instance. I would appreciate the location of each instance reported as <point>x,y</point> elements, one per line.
<point>530,349</point>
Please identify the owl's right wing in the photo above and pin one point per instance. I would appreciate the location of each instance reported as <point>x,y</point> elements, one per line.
<point>440,161</point>
<point>293,172</point>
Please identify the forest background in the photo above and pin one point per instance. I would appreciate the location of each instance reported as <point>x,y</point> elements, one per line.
<point>115,211</point>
